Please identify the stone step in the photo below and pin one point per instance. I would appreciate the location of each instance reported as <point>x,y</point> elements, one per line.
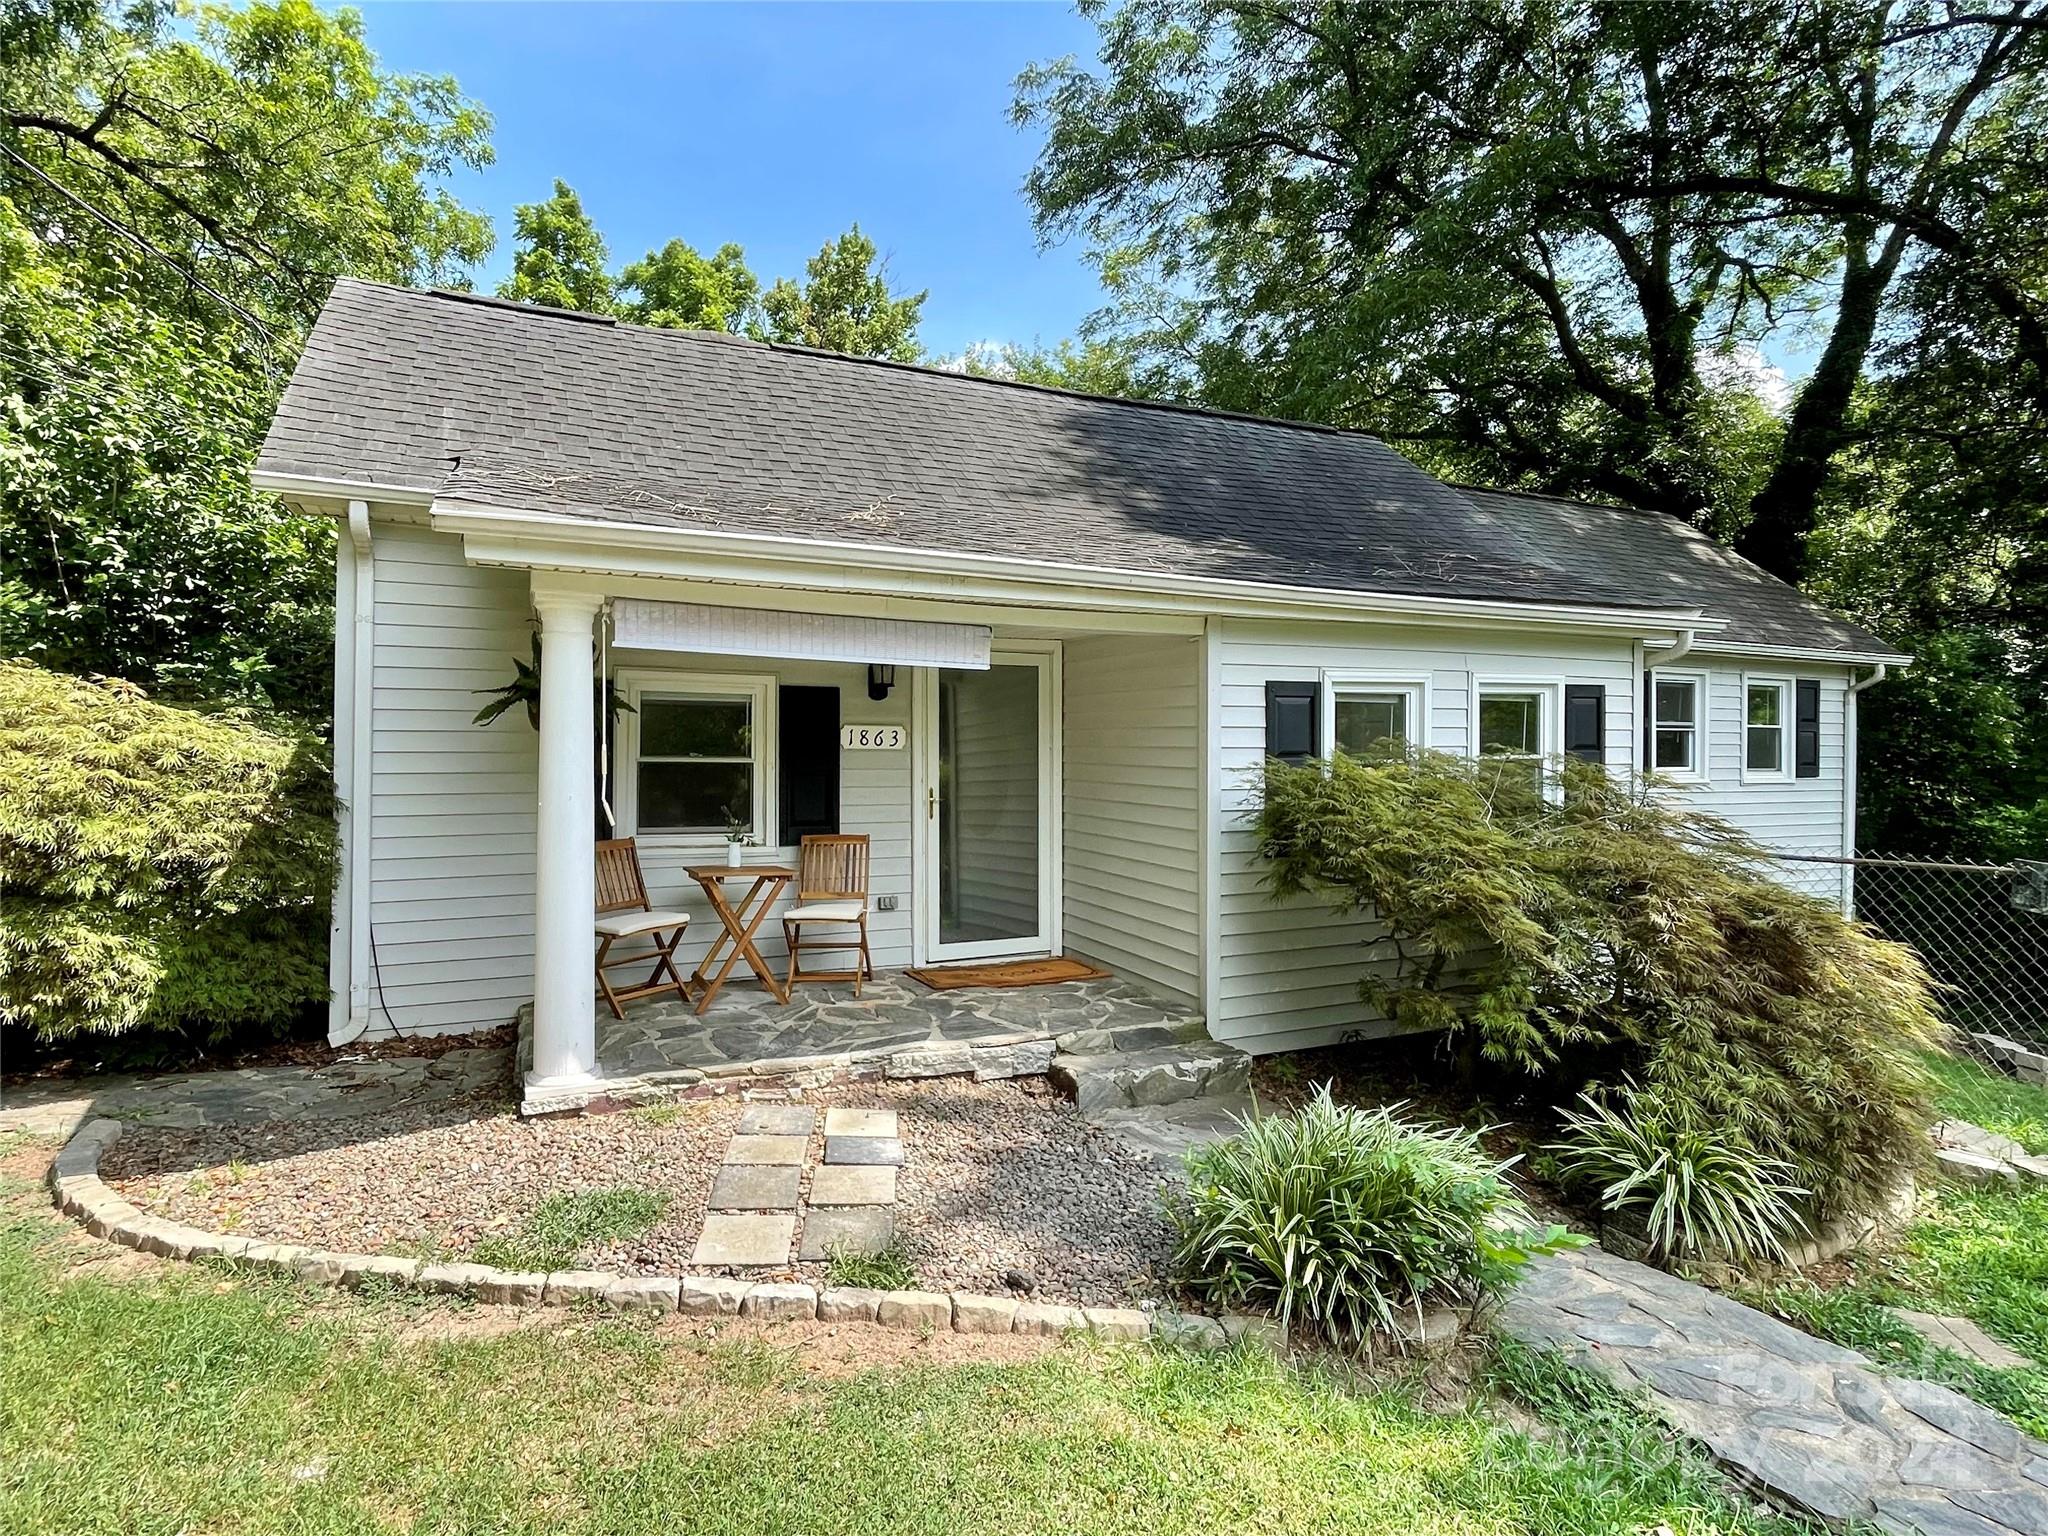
<point>1163,1074</point>
<point>1147,1036</point>
<point>1165,1132</point>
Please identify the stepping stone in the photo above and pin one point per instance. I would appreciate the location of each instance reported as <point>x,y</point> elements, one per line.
<point>859,1122</point>
<point>776,1120</point>
<point>853,1184</point>
<point>778,1151</point>
<point>862,1229</point>
<point>745,1240</point>
<point>755,1187</point>
<point>874,1150</point>
<point>1960,1335</point>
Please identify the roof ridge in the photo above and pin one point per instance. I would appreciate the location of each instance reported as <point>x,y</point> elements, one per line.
<point>1576,501</point>
<point>722,338</point>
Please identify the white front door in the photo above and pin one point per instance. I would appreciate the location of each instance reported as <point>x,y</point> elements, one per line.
<point>988,865</point>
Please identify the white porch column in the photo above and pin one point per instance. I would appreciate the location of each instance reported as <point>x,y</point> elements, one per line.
<point>564,945</point>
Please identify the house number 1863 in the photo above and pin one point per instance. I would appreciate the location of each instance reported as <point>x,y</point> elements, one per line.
<point>883,738</point>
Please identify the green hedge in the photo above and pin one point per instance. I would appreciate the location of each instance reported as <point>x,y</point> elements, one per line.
<point>160,868</point>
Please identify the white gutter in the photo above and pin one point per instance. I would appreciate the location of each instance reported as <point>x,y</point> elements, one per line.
<point>320,487</point>
<point>1878,659</point>
<point>355,609</point>
<point>496,535</point>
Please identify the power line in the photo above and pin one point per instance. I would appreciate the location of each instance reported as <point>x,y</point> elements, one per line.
<point>262,331</point>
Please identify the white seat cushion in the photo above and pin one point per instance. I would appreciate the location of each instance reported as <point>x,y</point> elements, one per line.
<point>618,925</point>
<point>828,912</point>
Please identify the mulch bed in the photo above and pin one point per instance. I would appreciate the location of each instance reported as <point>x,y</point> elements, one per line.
<point>314,1052</point>
<point>998,1177</point>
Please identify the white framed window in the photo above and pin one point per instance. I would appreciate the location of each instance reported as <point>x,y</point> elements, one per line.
<point>1678,724</point>
<point>1766,727</point>
<point>1372,714</point>
<point>696,756</point>
<point>1518,722</point>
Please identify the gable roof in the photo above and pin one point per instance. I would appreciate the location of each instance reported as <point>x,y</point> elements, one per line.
<point>484,402</point>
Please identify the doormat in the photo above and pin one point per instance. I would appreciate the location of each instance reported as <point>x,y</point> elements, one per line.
<point>1013,973</point>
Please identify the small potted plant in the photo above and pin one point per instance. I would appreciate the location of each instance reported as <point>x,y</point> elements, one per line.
<point>737,838</point>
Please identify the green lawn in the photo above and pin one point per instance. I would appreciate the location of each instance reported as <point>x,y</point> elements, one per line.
<point>169,1398</point>
<point>1980,1253</point>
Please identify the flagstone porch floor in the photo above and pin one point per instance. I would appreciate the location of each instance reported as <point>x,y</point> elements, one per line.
<point>896,1026</point>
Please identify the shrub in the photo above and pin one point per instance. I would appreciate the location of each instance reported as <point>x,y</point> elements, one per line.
<point>1622,935</point>
<point>1347,1219</point>
<point>160,868</point>
<point>1703,1192</point>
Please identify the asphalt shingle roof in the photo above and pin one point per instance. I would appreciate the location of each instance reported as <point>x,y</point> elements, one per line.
<point>481,401</point>
<point>1660,559</point>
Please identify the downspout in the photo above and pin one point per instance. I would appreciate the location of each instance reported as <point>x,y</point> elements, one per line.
<point>1855,687</point>
<point>354,646</point>
<point>1678,650</point>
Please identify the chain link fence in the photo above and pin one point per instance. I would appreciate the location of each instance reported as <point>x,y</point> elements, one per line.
<point>1981,929</point>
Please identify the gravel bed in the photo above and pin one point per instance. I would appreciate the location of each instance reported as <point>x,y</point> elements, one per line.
<point>998,1179</point>
<point>430,1181</point>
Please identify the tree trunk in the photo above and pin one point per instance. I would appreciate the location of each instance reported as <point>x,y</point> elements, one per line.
<point>1782,514</point>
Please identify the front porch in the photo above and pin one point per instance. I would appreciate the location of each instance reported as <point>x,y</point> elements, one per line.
<point>896,1028</point>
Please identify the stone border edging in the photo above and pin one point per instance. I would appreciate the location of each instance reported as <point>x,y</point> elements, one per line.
<point>79,1192</point>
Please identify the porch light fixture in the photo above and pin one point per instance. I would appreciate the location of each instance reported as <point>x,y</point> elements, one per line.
<point>880,680</point>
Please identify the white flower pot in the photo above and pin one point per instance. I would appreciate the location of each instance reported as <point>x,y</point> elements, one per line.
<point>732,854</point>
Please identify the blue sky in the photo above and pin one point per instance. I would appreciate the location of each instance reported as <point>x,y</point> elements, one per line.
<point>776,126</point>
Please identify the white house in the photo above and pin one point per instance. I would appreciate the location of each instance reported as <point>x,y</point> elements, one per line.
<point>1030,641</point>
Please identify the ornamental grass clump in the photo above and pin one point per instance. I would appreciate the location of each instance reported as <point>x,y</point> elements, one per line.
<point>1701,1192</point>
<point>160,868</point>
<point>1617,934</point>
<point>1349,1221</point>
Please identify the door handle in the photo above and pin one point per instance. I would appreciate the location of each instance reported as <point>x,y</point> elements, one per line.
<point>931,804</point>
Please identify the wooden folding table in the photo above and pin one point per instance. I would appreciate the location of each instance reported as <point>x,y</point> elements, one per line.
<point>738,922</point>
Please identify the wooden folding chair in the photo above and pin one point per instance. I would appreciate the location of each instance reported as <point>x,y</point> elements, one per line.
<point>624,912</point>
<point>831,892</point>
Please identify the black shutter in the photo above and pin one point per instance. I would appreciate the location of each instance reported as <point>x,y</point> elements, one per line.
<point>809,751</point>
<point>1806,729</point>
<point>1585,721</point>
<point>1293,721</point>
<point>1649,720</point>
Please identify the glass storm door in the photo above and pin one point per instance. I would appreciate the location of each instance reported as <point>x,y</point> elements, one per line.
<point>989,772</point>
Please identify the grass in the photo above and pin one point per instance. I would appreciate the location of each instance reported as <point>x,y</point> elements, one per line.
<point>1967,1091</point>
<point>168,1399</point>
<point>888,1270</point>
<point>563,1224</point>
<point>1979,1252</point>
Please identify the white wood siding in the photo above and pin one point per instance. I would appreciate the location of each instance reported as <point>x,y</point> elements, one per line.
<point>453,806</point>
<point>1789,815</point>
<point>1132,808</point>
<point>1287,972</point>
<point>452,851</point>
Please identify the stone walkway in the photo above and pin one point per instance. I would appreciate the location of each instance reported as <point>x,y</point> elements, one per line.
<point>1812,1423</point>
<point>756,1199</point>
<point>190,1101</point>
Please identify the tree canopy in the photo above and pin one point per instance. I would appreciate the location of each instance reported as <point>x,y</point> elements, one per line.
<point>560,257</point>
<point>1529,236</point>
<point>677,288</point>
<point>844,304</point>
<point>176,195</point>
